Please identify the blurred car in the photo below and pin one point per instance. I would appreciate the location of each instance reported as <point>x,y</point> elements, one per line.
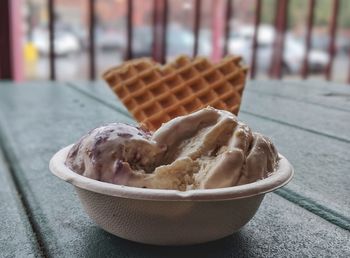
<point>65,42</point>
<point>294,53</point>
<point>241,40</point>
<point>179,41</point>
<point>80,32</point>
<point>110,39</point>
<point>321,42</point>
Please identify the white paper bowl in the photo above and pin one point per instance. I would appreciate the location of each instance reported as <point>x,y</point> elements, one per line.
<point>169,217</point>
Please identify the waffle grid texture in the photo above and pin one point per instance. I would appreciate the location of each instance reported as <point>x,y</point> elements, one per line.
<point>155,94</point>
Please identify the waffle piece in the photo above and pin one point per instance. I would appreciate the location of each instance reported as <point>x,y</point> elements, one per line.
<point>155,94</point>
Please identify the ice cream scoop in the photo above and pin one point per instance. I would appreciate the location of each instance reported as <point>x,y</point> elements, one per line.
<point>209,148</point>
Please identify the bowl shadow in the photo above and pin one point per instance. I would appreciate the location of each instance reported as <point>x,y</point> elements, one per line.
<point>100,243</point>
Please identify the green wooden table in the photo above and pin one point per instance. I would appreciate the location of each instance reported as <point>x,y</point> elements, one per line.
<point>41,215</point>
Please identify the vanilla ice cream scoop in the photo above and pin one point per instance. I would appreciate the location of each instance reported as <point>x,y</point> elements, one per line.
<point>209,148</point>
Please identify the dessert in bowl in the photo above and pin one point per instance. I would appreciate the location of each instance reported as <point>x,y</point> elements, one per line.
<point>197,177</point>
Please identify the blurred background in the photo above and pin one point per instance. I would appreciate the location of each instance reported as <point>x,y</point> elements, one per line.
<point>318,31</point>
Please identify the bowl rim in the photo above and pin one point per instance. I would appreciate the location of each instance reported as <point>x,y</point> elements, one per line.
<point>279,178</point>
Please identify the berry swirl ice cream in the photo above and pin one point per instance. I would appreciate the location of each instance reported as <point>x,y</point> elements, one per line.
<point>209,148</point>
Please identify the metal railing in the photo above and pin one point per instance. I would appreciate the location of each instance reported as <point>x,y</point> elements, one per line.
<point>5,41</point>
<point>160,22</point>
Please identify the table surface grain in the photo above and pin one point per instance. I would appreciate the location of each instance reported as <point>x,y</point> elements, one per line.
<point>41,216</point>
